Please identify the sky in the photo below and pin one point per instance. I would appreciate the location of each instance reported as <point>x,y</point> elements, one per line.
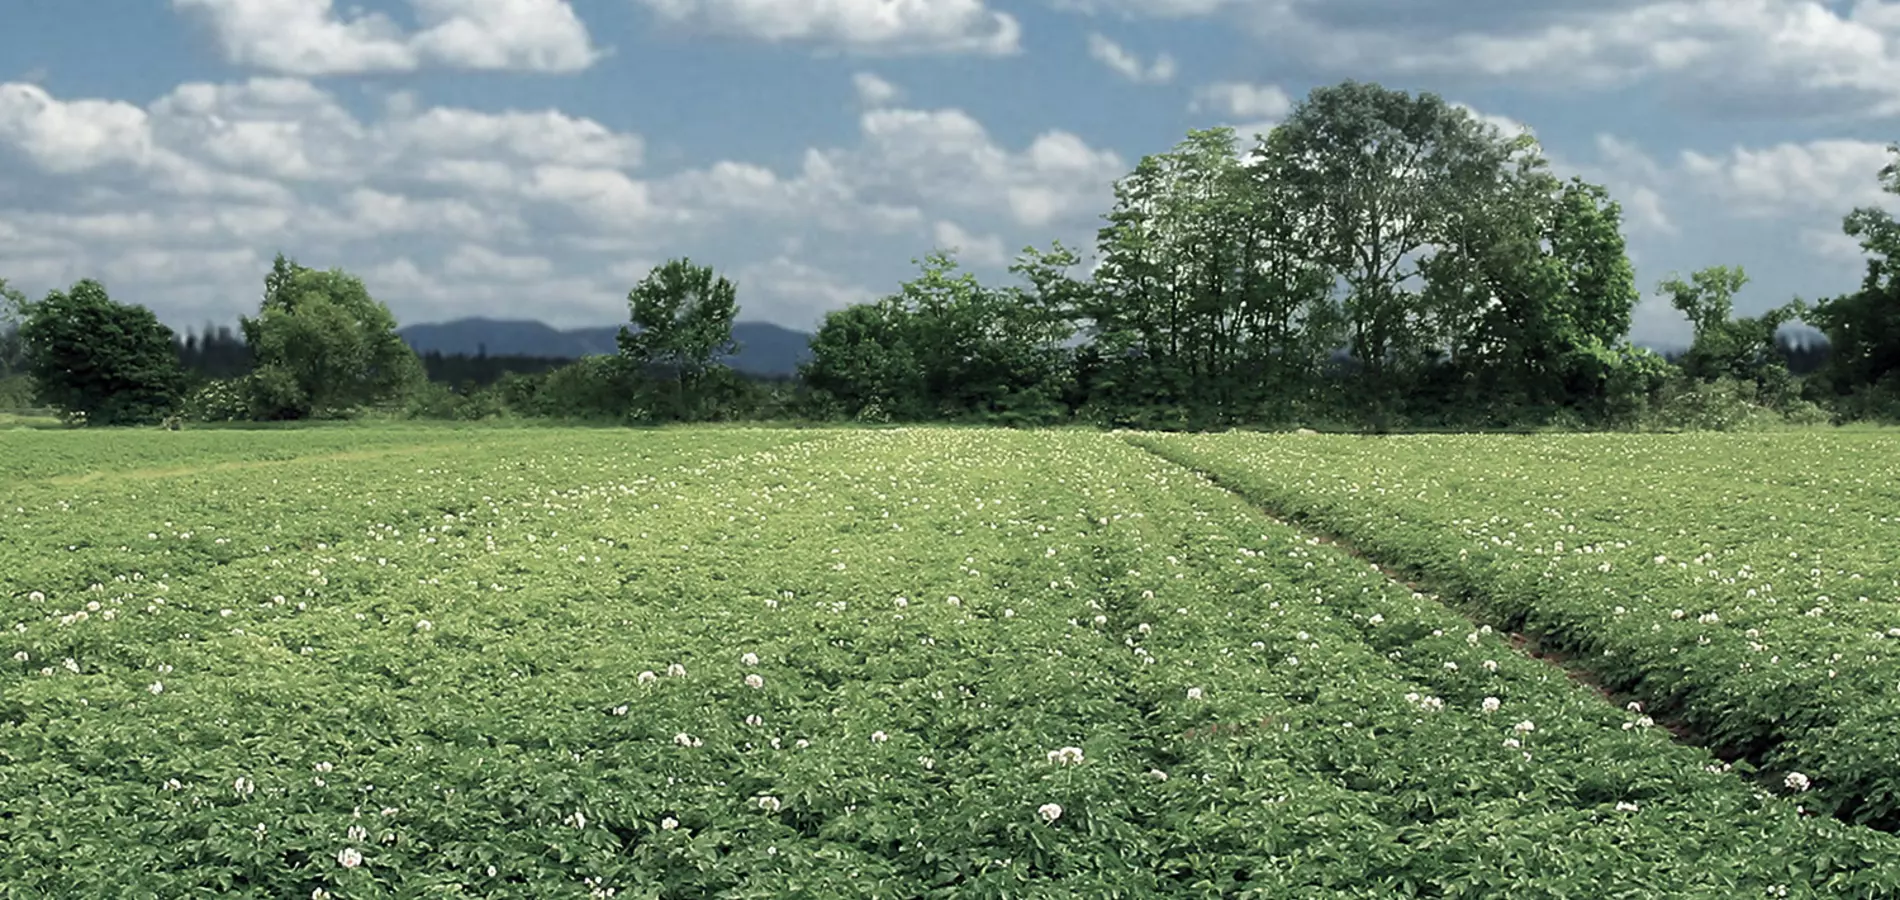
<point>535,158</point>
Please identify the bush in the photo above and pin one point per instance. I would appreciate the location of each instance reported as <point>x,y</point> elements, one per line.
<point>16,392</point>
<point>1725,404</point>
<point>219,401</point>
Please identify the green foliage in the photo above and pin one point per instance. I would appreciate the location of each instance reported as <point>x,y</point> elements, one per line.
<point>681,328</point>
<point>1740,622</point>
<point>102,362</point>
<point>947,347</point>
<point>1720,404</point>
<point>324,347</point>
<point>221,400</point>
<point>1708,297</point>
<point>593,389</point>
<point>861,358</point>
<point>1863,328</point>
<point>867,663</point>
<point>434,400</point>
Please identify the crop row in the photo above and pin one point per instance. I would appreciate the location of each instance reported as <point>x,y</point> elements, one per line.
<point>1746,587</point>
<point>856,664</point>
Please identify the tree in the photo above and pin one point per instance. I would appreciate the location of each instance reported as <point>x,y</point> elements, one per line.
<point>862,359</point>
<point>1206,297</point>
<point>682,318</point>
<point>322,345</point>
<point>1725,346</point>
<point>1379,177</point>
<point>110,363</point>
<point>1863,328</point>
<point>1533,293</point>
<point>1708,297</point>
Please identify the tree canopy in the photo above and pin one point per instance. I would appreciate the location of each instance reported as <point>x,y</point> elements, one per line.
<point>322,344</point>
<point>104,362</point>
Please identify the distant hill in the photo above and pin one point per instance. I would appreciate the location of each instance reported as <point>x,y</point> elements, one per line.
<point>764,348</point>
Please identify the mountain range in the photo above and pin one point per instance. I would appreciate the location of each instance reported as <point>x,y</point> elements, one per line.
<point>764,348</point>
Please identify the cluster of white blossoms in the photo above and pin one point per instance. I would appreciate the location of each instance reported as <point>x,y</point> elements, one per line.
<point>1195,693</point>
<point>1795,781</point>
<point>1428,704</point>
<point>1066,756</point>
<point>1049,812</point>
<point>1491,704</point>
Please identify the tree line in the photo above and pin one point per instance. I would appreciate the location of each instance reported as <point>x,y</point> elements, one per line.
<point>1378,260</point>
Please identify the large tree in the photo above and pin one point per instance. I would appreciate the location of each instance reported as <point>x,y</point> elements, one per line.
<point>1380,178</point>
<point>322,345</point>
<point>110,363</point>
<point>1206,299</point>
<point>682,317</point>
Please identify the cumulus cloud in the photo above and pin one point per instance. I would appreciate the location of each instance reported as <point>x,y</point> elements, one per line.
<point>874,91</point>
<point>1243,100</point>
<point>1251,110</point>
<point>187,197</point>
<point>1125,63</point>
<point>860,26</point>
<point>309,37</point>
<point>976,250</point>
<point>802,292</point>
<point>1823,176</point>
<point>1792,58</point>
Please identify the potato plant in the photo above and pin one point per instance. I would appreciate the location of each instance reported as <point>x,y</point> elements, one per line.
<point>909,663</point>
<point>1747,587</point>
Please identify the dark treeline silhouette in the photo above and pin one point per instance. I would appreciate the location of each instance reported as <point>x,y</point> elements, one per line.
<point>481,370</point>
<point>1379,261</point>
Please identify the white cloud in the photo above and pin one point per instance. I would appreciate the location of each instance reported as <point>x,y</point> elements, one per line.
<point>910,159</point>
<point>1824,176</point>
<point>308,37</point>
<point>66,138</point>
<point>1242,100</point>
<point>1506,125</point>
<point>1797,58</point>
<point>475,261</point>
<point>863,26</point>
<point>976,250</point>
<point>546,136</point>
<point>874,91</point>
<point>1833,246</point>
<point>1126,64</point>
<point>804,292</point>
<point>448,211</point>
<point>1251,110</point>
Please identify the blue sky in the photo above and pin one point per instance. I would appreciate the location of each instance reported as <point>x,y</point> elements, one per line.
<point>533,158</point>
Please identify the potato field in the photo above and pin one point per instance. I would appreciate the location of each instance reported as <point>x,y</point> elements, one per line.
<point>935,663</point>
